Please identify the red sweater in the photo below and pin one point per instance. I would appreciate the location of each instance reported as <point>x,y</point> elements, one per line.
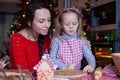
<point>24,52</point>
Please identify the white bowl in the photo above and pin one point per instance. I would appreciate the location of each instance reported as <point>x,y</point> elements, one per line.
<point>116,59</point>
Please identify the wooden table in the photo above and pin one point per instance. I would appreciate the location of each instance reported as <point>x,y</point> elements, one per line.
<point>15,75</point>
<point>79,75</point>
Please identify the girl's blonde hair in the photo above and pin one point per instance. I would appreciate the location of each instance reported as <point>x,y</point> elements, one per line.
<point>58,20</point>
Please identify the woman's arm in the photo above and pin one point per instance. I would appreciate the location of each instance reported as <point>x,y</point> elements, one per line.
<point>88,43</point>
<point>17,53</point>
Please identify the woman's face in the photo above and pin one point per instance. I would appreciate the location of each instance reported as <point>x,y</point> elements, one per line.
<point>41,21</point>
<point>70,23</point>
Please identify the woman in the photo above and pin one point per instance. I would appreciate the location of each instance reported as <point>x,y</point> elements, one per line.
<point>28,45</point>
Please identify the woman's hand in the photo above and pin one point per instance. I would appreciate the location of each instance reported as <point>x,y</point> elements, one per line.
<point>89,68</point>
<point>69,67</point>
<point>88,43</point>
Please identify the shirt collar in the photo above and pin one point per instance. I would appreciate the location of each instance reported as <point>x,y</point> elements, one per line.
<point>65,36</point>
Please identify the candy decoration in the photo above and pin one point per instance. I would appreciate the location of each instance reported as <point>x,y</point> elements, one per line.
<point>45,69</point>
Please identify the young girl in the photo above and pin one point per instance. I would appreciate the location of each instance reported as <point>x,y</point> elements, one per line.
<point>68,45</point>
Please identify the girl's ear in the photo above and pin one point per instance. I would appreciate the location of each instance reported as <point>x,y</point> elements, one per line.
<point>29,24</point>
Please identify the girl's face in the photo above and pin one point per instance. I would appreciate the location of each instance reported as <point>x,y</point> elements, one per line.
<point>70,23</point>
<point>41,21</point>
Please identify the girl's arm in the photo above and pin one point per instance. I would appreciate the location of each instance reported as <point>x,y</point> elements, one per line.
<point>88,54</point>
<point>53,54</point>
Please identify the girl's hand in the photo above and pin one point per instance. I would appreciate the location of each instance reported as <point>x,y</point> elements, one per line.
<point>69,67</point>
<point>89,68</point>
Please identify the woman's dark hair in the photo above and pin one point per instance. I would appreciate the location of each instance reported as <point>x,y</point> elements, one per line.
<point>30,11</point>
